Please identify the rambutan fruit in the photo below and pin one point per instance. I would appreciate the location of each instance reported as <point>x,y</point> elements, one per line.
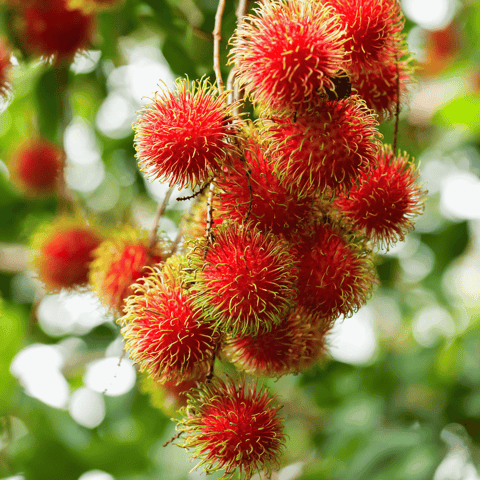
<point>253,190</point>
<point>291,347</point>
<point>384,202</point>
<point>164,335</point>
<point>5,65</point>
<point>371,28</point>
<point>336,274</point>
<point>120,261</point>
<point>231,427</point>
<point>62,252</point>
<point>51,29</point>
<point>36,165</point>
<point>184,137</point>
<point>245,282</point>
<point>286,53</point>
<point>324,150</point>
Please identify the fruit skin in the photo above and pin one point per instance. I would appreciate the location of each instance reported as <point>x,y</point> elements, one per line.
<point>287,52</point>
<point>383,203</point>
<point>51,29</point>
<point>36,165</point>
<point>232,427</point>
<point>336,274</point>
<point>323,151</point>
<point>163,333</point>
<point>185,137</point>
<point>120,261</point>
<point>62,252</point>
<point>246,281</point>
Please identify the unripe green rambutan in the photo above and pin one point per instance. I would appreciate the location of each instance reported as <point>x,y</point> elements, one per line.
<point>232,428</point>
<point>164,335</point>
<point>245,282</point>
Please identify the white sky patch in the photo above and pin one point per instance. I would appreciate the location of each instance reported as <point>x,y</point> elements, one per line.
<point>107,376</point>
<point>87,407</point>
<point>353,340</point>
<point>431,324</point>
<point>460,196</point>
<point>80,143</point>
<point>85,62</point>
<point>96,475</point>
<point>38,367</point>
<point>116,116</point>
<point>430,14</point>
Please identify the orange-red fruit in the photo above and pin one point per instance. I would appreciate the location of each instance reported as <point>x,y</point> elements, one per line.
<point>325,150</point>
<point>119,262</point>
<point>163,333</point>
<point>287,52</point>
<point>291,347</point>
<point>35,167</point>
<point>336,274</point>
<point>51,29</point>
<point>384,203</point>
<point>183,137</point>
<point>63,252</point>
<point>233,428</point>
<point>372,27</point>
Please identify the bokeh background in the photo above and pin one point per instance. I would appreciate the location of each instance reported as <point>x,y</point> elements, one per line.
<point>398,396</point>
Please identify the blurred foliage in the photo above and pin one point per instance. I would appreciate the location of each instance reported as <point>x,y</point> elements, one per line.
<point>415,404</point>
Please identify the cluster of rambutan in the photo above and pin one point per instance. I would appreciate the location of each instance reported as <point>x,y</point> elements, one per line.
<point>282,244</point>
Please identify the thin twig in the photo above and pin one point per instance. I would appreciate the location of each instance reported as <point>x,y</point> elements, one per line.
<point>217,39</point>
<point>172,439</point>
<point>160,212</point>
<point>241,12</point>
<point>397,112</point>
<point>208,233</point>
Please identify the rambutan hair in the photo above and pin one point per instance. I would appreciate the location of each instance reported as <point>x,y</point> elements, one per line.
<point>336,274</point>
<point>184,137</point>
<point>286,53</point>
<point>245,282</point>
<point>62,251</point>
<point>384,202</point>
<point>52,29</point>
<point>232,428</point>
<point>291,347</point>
<point>36,165</point>
<point>324,150</point>
<point>253,190</point>
<point>164,335</point>
<point>120,261</point>
<point>372,27</point>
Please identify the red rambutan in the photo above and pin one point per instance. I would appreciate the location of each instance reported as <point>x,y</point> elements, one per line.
<point>5,65</point>
<point>120,261</point>
<point>384,202</point>
<point>184,137</point>
<point>291,347</point>
<point>62,253</point>
<point>336,274</point>
<point>327,149</point>
<point>286,53</point>
<point>371,29</point>
<point>245,282</point>
<point>229,428</point>
<point>252,188</point>
<point>35,167</point>
<point>51,29</point>
<point>163,333</point>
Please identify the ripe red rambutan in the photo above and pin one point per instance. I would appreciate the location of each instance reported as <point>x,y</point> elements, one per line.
<point>5,65</point>
<point>231,427</point>
<point>252,189</point>
<point>371,29</point>
<point>377,85</point>
<point>291,347</point>
<point>286,53</point>
<point>245,282</point>
<point>120,261</point>
<point>51,29</point>
<point>336,274</point>
<point>36,165</point>
<point>62,252</point>
<point>384,202</point>
<point>184,137</point>
<point>163,333</point>
<point>324,150</point>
